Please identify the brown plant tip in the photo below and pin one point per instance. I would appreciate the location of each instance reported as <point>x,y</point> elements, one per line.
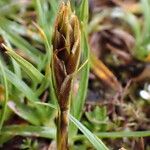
<point>66,51</point>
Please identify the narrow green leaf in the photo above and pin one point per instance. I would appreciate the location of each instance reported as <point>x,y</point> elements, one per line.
<point>10,8</point>
<point>40,12</point>
<point>131,20</point>
<point>33,112</point>
<point>47,104</point>
<point>16,66</point>
<point>4,138</point>
<point>84,11</point>
<point>146,12</point>
<point>79,100</point>
<point>13,26</point>
<point>4,109</point>
<point>22,44</point>
<point>54,5</point>
<point>97,143</point>
<point>27,113</point>
<point>26,66</point>
<point>29,130</point>
<point>123,134</point>
<point>20,85</point>
<point>116,134</point>
<point>135,25</point>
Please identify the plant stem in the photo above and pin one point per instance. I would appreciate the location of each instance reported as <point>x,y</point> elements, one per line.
<point>62,130</point>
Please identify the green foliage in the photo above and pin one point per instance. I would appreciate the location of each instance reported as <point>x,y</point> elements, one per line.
<point>27,79</point>
<point>33,112</point>
<point>97,119</point>
<point>78,101</point>
<point>141,31</point>
<point>34,74</point>
<point>3,113</point>
<point>97,143</point>
<point>20,85</point>
<point>29,144</point>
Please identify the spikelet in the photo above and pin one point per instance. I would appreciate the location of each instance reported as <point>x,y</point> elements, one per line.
<point>66,52</point>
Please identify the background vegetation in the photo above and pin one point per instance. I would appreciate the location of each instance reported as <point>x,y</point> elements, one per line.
<point>111,94</point>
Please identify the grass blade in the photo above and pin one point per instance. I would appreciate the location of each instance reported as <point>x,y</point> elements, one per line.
<point>26,66</point>
<point>146,12</point>
<point>2,118</point>
<point>23,45</point>
<point>40,12</point>
<point>123,134</point>
<point>97,143</point>
<point>120,134</point>
<point>20,85</point>
<point>78,102</point>
<point>84,11</point>
<point>27,113</point>
<point>29,130</point>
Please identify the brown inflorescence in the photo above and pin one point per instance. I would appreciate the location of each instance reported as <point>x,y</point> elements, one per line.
<point>66,53</point>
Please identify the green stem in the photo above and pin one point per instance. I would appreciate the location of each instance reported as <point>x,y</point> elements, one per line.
<point>62,130</point>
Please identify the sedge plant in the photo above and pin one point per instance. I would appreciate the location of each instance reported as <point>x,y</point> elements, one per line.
<point>38,114</point>
<point>13,76</point>
<point>66,56</point>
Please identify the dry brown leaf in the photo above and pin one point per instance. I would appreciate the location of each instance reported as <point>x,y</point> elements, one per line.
<point>145,74</point>
<point>133,7</point>
<point>1,92</point>
<point>104,73</point>
<point>147,59</point>
<point>122,54</point>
